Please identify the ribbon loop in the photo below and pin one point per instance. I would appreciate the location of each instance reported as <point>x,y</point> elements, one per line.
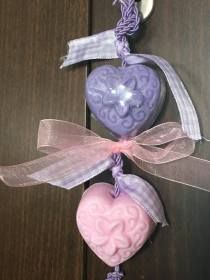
<point>53,135</point>
<point>161,134</point>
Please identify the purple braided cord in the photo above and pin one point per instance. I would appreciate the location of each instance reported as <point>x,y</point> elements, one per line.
<point>117,171</point>
<point>116,275</point>
<point>127,25</point>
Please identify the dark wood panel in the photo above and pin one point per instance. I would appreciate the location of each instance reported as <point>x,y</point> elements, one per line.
<point>178,31</point>
<point>38,234</point>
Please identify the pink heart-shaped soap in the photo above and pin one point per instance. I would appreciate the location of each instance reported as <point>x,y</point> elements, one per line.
<point>114,228</point>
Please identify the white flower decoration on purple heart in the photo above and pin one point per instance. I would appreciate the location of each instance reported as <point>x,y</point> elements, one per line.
<point>122,96</point>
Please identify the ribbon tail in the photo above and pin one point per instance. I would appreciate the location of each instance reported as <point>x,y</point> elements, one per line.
<point>98,46</point>
<point>144,195</point>
<point>190,171</point>
<point>172,151</point>
<point>18,175</point>
<point>65,168</point>
<point>70,181</point>
<point>188,115</point>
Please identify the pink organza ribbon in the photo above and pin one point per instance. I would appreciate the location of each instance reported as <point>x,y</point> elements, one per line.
<point>76,154</point>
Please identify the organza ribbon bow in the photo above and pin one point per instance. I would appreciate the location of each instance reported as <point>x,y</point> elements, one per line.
<point>76,154</point>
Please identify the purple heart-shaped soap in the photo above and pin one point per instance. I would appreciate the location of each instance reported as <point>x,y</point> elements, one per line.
<point>127,100</point>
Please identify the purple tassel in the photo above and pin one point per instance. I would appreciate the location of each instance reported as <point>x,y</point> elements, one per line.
<point>116,275</point>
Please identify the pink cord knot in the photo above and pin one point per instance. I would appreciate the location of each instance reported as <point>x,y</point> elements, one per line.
<point>121,146</point>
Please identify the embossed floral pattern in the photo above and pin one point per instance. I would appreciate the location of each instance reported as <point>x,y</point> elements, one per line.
<point>126,100</point>
<point>115,229</point>
<point>108,235</point>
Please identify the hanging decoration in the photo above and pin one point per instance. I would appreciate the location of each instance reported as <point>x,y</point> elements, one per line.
<point>116,220</point>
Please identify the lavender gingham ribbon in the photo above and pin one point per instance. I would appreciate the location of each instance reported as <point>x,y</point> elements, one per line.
<point>144,195</point>
<point>99,46</point>
<point>109,44</point>
<point>139,190</point>
<point>188,115</point>
<point>82,176</point>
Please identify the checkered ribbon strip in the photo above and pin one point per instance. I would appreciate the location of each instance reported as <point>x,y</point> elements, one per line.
<point>188,115</point>
<point>104,46</point>
<point>82,175</point>
<point>145,195</point>
<point>99,46</point>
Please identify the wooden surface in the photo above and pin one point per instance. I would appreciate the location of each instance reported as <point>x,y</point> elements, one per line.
<point>38,235</point>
